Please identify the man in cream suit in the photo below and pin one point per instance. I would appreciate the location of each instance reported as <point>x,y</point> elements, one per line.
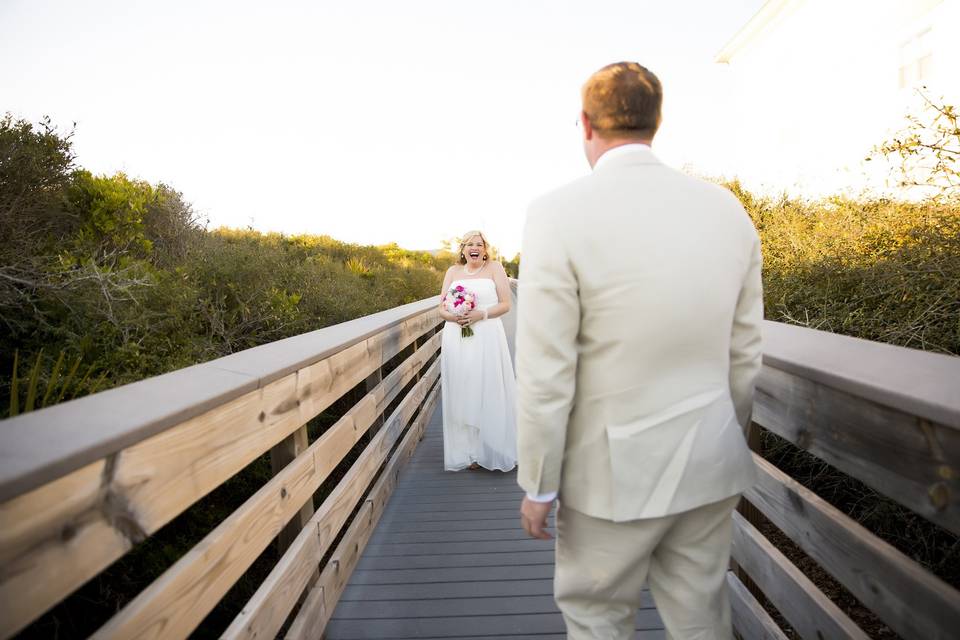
<point>638,343</point>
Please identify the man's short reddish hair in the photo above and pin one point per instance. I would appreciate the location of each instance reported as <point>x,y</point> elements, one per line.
<point>622,100</point>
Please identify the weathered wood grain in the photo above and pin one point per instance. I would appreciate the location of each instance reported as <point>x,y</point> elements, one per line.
<point>80,525</point>
<point>915,603</point>
<point>176,602</point>
<point>750,620</point>
<point>910,459</point>
<point>808,611</point>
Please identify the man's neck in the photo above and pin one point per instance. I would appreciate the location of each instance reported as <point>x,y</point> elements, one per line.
<point>606,145</point>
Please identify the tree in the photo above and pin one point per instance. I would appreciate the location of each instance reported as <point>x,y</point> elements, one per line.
<point>928,150</point>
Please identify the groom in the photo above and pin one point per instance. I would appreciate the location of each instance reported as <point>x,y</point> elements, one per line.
<point>638,344</point>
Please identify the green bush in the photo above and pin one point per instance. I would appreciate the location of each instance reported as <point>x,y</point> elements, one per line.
<point>119,273</point>
<point>876,269</point>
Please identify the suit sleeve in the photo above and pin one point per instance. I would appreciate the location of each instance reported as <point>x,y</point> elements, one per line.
<point>745,343</point>
<point>548,322</point>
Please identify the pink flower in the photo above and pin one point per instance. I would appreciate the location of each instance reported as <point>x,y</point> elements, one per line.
<point>459,287</point>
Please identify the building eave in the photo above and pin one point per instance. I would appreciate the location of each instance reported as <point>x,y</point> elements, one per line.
<point>754,27</point>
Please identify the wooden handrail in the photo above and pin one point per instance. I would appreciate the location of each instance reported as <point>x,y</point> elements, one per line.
<point>71,510</point>
<point>39,446</point>
<point>920,383</point>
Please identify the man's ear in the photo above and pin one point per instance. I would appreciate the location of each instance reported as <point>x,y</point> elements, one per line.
<point>587,127</point>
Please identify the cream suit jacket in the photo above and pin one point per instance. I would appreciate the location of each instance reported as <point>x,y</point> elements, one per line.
<point>638,341</point>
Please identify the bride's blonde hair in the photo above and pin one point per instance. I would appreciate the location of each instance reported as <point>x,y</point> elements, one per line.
<point>466,238</point>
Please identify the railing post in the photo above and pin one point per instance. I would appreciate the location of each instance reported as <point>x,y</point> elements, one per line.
<point>280,456</point>
<point>372,381</point>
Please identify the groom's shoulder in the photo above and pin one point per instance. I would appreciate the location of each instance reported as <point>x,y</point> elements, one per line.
<point>564,197</point>
<point>717,197</point>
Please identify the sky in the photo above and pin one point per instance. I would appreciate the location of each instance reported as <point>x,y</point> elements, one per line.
<point>370,121</point>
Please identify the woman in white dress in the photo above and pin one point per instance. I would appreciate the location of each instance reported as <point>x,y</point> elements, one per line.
<point>476,372</point>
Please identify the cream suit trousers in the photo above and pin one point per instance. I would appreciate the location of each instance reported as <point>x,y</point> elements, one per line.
<point>602,567</point>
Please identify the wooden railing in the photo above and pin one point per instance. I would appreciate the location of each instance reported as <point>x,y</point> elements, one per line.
<point>83,482</point>
<point>887,416</point>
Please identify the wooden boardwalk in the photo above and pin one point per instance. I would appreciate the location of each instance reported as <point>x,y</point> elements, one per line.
<point>449,560</point>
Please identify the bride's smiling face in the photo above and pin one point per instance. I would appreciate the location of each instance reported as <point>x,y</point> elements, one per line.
<point>474,250</point>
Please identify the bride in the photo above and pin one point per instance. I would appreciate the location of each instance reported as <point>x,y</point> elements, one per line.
<point>476,373</point>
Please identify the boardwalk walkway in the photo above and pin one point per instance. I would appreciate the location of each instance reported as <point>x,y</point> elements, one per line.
<point>449,560</point>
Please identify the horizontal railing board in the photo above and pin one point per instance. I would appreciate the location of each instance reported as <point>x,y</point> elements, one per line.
<point>41,445</point>
<point>910,460</point>
<point>920,383</point>
<point>912,601</point>
<point>811,614</point>
<point>750,619</point>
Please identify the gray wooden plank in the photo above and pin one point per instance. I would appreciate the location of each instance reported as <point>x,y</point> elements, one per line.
<point>454,507</point>
<point>452,501</point>
<point>454,525</point>
<point>449,559</point>
<point>467,591</point>
<point>446,607</point>
<point>492,559</point>
<point>451,493</point>
<point>464,589</point>
<point>456,626</point>
<point>447,546</point>
<point>454,574</point>
<point>404,515</point>
<point>383,536</point>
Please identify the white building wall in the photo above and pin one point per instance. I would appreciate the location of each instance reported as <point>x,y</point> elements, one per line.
<point>826,80</point>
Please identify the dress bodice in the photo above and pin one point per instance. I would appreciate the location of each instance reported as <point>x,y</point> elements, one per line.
<point>484,288</point>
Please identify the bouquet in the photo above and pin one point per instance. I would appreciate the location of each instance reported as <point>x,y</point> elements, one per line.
<point>460,301</point>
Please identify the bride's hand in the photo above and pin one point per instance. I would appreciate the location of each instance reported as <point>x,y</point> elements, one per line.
<point>473,317</point>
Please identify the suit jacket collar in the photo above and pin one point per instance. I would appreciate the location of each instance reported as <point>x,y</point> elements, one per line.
<point>626,155</point>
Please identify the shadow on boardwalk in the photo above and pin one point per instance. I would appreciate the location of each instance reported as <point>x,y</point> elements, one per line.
<point>449,560</point>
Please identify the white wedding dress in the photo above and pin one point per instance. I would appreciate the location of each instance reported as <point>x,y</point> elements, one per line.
<point>478,388</point>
